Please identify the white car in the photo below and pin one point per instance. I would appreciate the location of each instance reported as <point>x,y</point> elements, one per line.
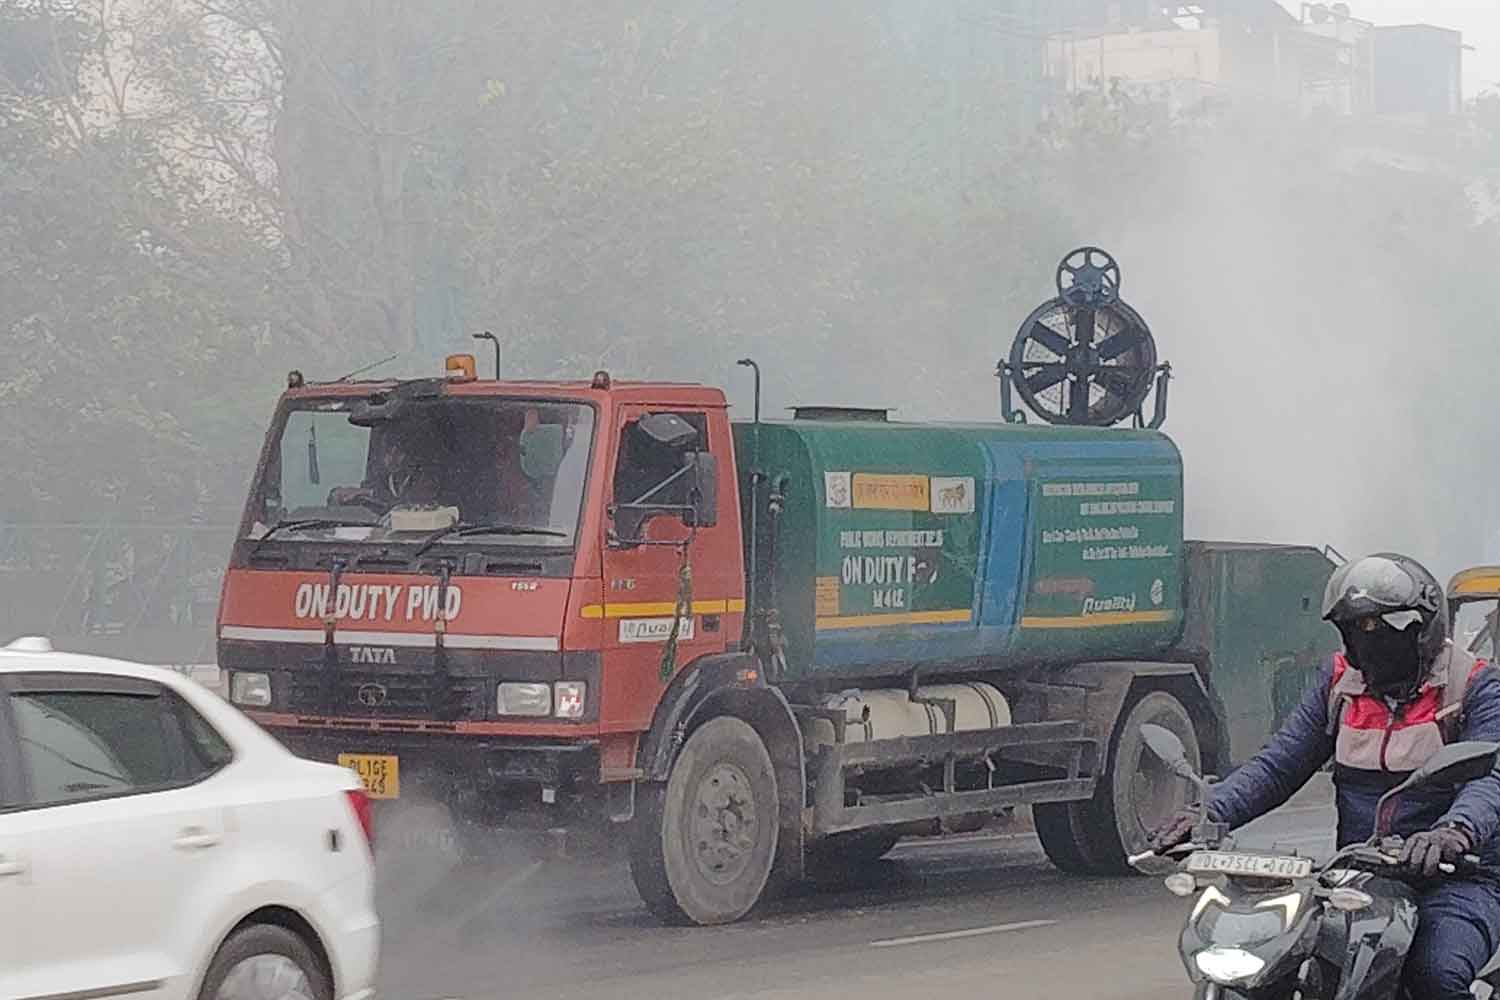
<point>155,843</point>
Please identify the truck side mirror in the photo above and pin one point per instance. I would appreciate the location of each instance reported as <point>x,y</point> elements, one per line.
<point>542,450</point>
<point>703,491</point>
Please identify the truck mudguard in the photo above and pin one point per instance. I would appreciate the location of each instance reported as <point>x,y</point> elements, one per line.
<point>687,692</point>
<point>1106,686</point>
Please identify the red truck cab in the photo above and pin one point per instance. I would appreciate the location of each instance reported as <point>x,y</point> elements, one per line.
<point>479,585</point>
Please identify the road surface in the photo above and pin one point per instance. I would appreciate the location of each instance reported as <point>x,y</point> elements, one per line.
<point>986,916</point>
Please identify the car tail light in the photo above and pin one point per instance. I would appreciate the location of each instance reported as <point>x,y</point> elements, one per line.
<point>360,803</point>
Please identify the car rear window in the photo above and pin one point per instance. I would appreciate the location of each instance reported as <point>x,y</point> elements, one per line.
<point>90,744</point>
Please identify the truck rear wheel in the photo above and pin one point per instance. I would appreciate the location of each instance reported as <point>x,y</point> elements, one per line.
<point>1062,828</point>
<point>704,843</point>
<point>1139,792</point>
<point>1135,794</point>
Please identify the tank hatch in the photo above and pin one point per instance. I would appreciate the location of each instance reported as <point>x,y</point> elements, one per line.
<point>845,413</point>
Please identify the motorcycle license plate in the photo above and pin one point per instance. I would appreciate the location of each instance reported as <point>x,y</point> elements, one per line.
<point>1252,865</point>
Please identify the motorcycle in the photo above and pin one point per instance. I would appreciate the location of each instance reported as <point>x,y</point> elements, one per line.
<point>1269,926</point>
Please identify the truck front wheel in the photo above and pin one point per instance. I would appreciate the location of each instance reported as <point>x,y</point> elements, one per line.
<point>703,844</point>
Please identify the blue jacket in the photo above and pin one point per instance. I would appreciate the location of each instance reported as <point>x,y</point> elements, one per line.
<point>1304,744</point>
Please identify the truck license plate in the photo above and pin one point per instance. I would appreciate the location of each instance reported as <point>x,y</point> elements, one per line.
<point>379,773</point>
<point>1252,865</point>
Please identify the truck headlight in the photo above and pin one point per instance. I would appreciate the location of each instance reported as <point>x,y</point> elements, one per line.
<point>569,698</point>
<point>1227,966</point>
<point>524,699</point>
<point>249,689</point>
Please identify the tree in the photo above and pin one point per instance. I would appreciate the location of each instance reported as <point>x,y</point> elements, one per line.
<point>130,299</point>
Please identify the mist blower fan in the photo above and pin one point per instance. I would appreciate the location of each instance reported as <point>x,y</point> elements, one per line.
<point>1085,358</point>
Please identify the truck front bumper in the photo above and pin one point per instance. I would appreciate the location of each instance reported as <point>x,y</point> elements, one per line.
<point>505,781</point>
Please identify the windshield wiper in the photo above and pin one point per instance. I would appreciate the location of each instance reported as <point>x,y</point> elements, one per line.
<point>308,523</point>
<point>495,528</point>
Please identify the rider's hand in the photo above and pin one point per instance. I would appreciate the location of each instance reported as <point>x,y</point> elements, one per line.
<point>1174,831</point>
<point>1424,852</point>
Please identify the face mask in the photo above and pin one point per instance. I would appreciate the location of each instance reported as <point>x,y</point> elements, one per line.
<point>1388,659</point>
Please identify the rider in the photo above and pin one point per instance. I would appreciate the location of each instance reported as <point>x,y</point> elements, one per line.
<point>1399,690</point>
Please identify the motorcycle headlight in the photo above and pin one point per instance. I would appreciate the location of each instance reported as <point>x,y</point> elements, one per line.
<point>1227,966</point>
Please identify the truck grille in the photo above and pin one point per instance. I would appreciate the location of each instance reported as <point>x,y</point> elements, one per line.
<point>407,696</point>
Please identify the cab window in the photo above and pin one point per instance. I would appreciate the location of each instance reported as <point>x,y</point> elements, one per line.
<point>663,469</point>
<point>647,465</point>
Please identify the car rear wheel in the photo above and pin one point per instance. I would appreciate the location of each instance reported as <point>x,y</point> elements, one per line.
<point>266,962</point>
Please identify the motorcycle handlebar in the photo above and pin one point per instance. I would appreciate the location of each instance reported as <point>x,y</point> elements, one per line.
<point>1469,864</point>
<point>1135,859</point>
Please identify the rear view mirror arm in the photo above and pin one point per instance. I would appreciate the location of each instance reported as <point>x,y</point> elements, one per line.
<point>640,501</point>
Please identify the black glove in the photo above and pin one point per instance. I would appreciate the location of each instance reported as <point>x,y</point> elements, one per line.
<point>1174,831</point>
<point>1423,852</point>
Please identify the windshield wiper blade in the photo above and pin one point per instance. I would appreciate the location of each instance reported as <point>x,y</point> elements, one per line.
<point>496,528</point>
<point>307,523</point>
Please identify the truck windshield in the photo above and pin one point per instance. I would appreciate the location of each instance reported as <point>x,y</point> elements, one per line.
<point>517,466</point>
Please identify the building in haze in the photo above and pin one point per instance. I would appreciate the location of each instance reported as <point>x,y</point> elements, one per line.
<point>1418,70</point>
<point>1325,59</point>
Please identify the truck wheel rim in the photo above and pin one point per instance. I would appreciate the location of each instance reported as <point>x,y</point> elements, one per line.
<point>265,977</point>
<point>725,824</point>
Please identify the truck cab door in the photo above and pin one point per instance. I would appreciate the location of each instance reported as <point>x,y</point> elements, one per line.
<point>643,555</point>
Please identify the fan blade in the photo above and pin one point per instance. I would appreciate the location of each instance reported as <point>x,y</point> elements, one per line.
<point>1126,340</point>
<point>1050,339</point>
<point>1045,377</point>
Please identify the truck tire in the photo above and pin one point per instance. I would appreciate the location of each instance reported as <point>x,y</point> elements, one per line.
<point>703,844</point>
<point>1062,828</point>
<point>1137,792</point>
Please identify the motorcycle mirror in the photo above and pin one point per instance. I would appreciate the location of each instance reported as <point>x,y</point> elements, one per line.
<point>1164,744</point>
<point>1457,763</point>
